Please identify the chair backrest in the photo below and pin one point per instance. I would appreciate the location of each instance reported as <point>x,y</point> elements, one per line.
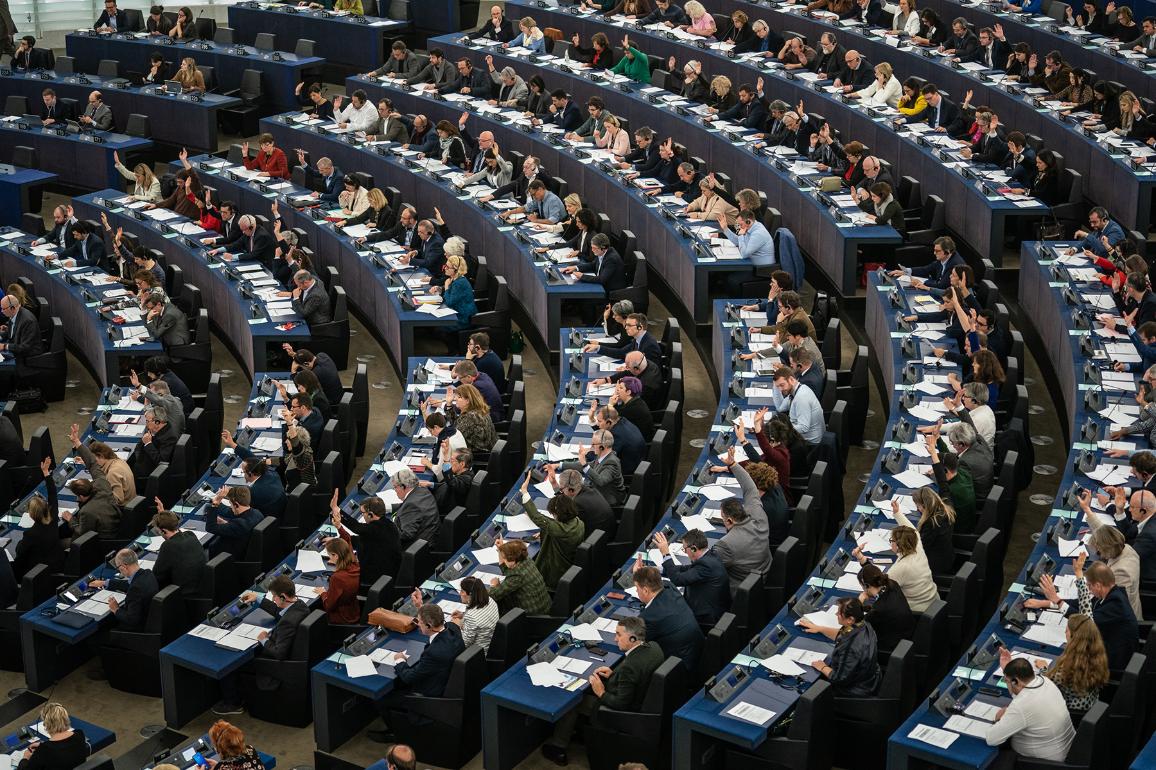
<point>223,36</point>
<point>65,65</point>
<point>1091,742</point>
<point>264,545</point>
<point>305,48</point>
<point>509,640</point>
<point>467,675</point>
<point>310,643</point>
<point>667,689</point>
<point>265,41</point>
<point>251,84</point>
<point>108,68</point>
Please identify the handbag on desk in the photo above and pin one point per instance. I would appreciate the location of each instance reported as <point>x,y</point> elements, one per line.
<point>392,621</point>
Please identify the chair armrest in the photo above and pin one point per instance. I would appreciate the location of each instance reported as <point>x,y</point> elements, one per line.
<point>431,708</point>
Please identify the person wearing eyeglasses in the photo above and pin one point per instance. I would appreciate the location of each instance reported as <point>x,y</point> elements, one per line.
<point>21,335</point>
<point>629,444</point>
<point>852,668</point>
<point>1109,543</point>
<point>1133,523</point>
<point>910,570</point>
<point>156,445</point>
<point>637,366</point>
<point>635,328</point>
<point>801,404</point>
<point>601,467</point>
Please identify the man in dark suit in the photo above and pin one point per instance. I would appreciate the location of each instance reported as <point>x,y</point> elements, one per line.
<point>430,675</point>
<point>650,375</point>
<point>807,373</point>
<point>621,689</point>
<point>593,508</point>
<point>157,368</point>
<point>470,80</point>
<point>404,231</point>
<point>417,517</point>
<point>992,52</point>
<point>1020,164</point>
<point>60,235</point>
<point>829,61</point>
<point>797,132</point>
<point>486,360</point>
<point>301,411</point>
<point>166,322</point>
<point>87,250</point>
<point>156,445</point>
<point>626,399</point>
<point>53,110</point>
<point>645,149</point>
<point>276,643</point>
<point>870,12</point>
<point>749,111</point>
<point>962,43</point>
<point>428,251</point>
<point>29,57</point>
<point>1136,288</point>
<point>254,244</point>
<point>936,275</point>
<point>704,580</point>
<point>111,19</point>
<point>451,486</point>
<point>97,114</point>
<point>310,299</point>
<point>232,525</point>
<point>139,587</point>
<point>329,175</point>
<point>942,115</point>
<point>635,328</point>
<point>564,113</point>
<point>475,146</point>
<point>518,188</point>
<point>22,333</point>
<point>181,558</point>
<point>670,623</point>
<point>321,365</point>
<point>1139,533</point>
<point>991,147</point>
<point>378,539</point>
<point>266,491</point>
<point>629,444</point>
<point>605,268</point>
<point>856,73</point>
<point>1107,604</point>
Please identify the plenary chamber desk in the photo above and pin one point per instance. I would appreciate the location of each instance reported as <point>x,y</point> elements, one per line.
<point>76,296</point>
<point>176,120</point>
<point>503,246</point>
<point>829,239</point>
<point>361,42</point>
<point>386,304</point>
<point>251,322</point>
<point>279,76</point>
<point>947,729</point>
<point>79,160</point>
<point>15,188</point>
<point>1121,185</point>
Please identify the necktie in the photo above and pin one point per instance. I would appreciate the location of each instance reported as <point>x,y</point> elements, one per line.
<point>84,249</point>
<point>251,239</point>
<point>988,55</point>
<point>935,124</point>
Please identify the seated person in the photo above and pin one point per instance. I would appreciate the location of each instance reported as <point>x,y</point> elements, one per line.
<point>852,668</point>
<point>1036,722</point>
<point>234,525</point>
<point>139,587</point>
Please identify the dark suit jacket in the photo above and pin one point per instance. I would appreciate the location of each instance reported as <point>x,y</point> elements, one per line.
<point>34,59</point>
<point>314,306</point>
<point>134,610</point>
<point>949,117</point>
<point>1143,541</point>
<point>491,365</point>
<point>671,625</point>
<point>60,234</point>
<point>1023,172</point>
<point>626,687</point>
<point>749,115</point>
<point>181,560</point>
<point>280,642</point>
<point>417,517</point>
<point>326,371</point>
<point>331,188</point>
<point>159,450</point>
<point>595,511</point>
<point>990,149</point>
<point>708,587</point>
<point>1146,312</point>
<point>430,255</point>
<point>378,547</point>
<point>233,535</point>
<point>121,21</point>
<point>24,335</point>
<point>611,273</point>
<point>260,247</point>
<point>431,673</point>
<point>629,444</point>
<point>936,274</point>
<point>964,45</point>
<point>1000,51</point>
<point>638,413</point>
<point>172,328</point>
<point>569,118</point>
<point>58,111</point>
<point>1117,623</point>
<point>268,493</point>
<point>179,389</point>
<point>649,346</point>
<point>860,78</point>
<point>232,239</point>
<point>314,423</point>
<point>91,254</point>
<point>813,378</point>
<point>478,81</point>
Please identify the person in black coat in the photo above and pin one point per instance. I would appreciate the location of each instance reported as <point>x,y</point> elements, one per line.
<point>627,400</point>
<point>486,360</point>
<point>962,43</point>
<point>53,110</point>
<point>749,112</point>
<point>498,27</point>
<point>139,587</point>
<point>704,579</point>
<point>378,539</point>
<point>428,250</point>
<point>635,328</point>
<point>936,527</point>
<point>941,114</point>
<point>1106,603</point>
<point>431,673</point>
<point>232,527</point>
<point>451,486</point>
<point>157,368</point>
<point>797,132</point>
<point>629,444</point>
<point>1021,159</point>
<point>40,543</point>
<point>276,643</point>
<point>156,445</point>
<point>321,365</point>
<point>86,250</point>
<point>181,559</point>
<point>112,18</point>
<point>301,410</point>
<point>670,623</point>
<point>29,57</point>
<point>605,266</point>
<point>66,747</point>
<point>563,112</point>
<point>267,492</point>
<point>887,609</point>
<point>1045,183</point>
<point>593,508</point>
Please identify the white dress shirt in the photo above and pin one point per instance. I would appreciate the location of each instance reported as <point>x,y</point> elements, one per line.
<point>1037,722</point>
<point>363,119</point>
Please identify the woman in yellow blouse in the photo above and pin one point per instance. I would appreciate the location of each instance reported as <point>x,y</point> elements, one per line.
<point>912,102</point>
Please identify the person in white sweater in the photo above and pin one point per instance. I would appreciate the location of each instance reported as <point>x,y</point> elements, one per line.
<point>1036,721</point>
<point>970,405</point>
<point>910,570</point>
<point>884,91</point>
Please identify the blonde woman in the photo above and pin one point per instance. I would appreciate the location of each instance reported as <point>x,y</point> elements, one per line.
<point>146,187</point>
<point>457,293</point>
<point>884,91</point>
<point>530,36</point>
<point>473,420</point>
<point>936,526</point>
<point>65,746</point>
<point>910,569</point>
<point>709,205</point>
<point>612,138</point>
<point>568,227</point>
<point>190,78</point>
<point>721,96</point>
<point>701,23</point>
<point>377,214</point>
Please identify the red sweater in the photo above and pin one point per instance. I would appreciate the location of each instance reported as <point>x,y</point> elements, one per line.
<point>275,164</point>
<point>340,600</point>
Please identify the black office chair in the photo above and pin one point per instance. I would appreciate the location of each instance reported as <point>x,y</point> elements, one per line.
<point>16,105</point>
<point>245,115</point>
<point>65,65</point>
<point>615,736</point>
<point>135,19</point>
<point>131,659</point>
<point>210,76</point>
<point>36,587</point>
<point>51,365</point>
<point>108,68</point>
<point>807,744</point>
<point>206,28</point>
<point>867,722</point>
<point>305,48</point>
<point>265,41</point>
<point>278,691</point>
<point>224,36</point>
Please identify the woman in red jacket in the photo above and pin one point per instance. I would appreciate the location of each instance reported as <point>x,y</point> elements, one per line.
<point>270,161</point>
<point>340,599</point>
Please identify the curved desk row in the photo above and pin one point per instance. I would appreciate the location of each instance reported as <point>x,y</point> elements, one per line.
<point>704,725</point>
<point>501,244</point>
<point>370,286</point>
<point>231,291</point>
<point>355,41</point>
<point>15,190</point>
<point>176,120</point>
<point>280,71</point>
<point>80,160</point>
<point>51,649</point>
<point>1109,178</point>
<point>831,243</point>
<point>76,300</point>
<point>1044,287</point>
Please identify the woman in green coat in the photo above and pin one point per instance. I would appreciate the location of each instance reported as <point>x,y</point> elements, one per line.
<point>634,64</point>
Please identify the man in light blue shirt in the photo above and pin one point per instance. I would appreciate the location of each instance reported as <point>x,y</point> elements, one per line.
<point>544,206</point>
<point>754,242</point>
<point>802,405</point>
